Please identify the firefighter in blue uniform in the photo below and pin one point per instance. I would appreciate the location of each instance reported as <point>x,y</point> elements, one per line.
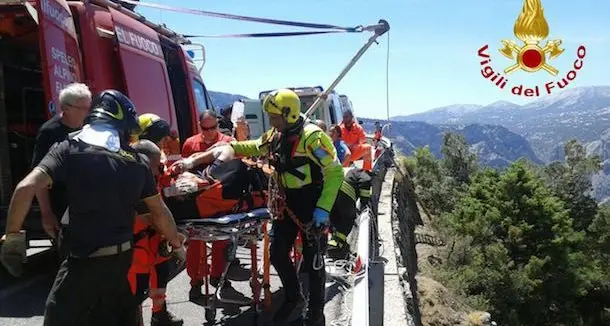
<point>105,181</point>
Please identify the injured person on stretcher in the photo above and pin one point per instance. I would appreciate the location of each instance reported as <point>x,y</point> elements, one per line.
<point>227,186</point>
<point>356,185</point>
<point>224,186</point>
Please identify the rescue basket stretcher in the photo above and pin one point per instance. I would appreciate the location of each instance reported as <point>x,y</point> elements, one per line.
<point>247,226</point>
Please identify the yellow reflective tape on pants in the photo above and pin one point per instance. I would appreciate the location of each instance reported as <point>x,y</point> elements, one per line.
<point>339,235</point>
<point>348,190</point>
<point>365,193</point>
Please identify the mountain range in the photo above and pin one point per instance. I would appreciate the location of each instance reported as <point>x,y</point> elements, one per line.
<point>582,113</point>
<point>495,146</point>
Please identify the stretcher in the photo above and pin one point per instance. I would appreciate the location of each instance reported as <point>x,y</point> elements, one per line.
<point>248,226</point>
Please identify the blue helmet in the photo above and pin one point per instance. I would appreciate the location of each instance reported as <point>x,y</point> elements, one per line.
<point>114,108</point>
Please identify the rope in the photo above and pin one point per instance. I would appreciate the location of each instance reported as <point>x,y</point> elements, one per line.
<point>277,208</point>
<point>387,78</point>
<point>244,18</point>
<point>261,35</point>
<point>346,278</point>
<point>277,205</point>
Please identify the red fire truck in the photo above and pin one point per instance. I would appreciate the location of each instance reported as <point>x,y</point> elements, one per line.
<point>47,44</point>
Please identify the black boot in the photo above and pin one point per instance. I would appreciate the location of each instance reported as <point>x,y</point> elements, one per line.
<point>165,318</point>
<point>195,292</point>
<point>317,298</point>
<point>315,317</point>
<point>289,311</point>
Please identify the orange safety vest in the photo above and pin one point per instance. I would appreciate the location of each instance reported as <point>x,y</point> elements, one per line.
<point>143,257</point>
<point>352,136</point>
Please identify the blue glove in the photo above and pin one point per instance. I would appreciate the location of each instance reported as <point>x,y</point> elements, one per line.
<point>320,217</point>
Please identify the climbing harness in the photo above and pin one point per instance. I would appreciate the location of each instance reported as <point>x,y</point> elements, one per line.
<point>277,207</point>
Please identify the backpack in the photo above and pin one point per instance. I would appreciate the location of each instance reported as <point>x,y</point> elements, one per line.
<point>231,187</point>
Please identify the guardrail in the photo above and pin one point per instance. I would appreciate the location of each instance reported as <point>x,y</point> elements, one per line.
<point>368,244</point>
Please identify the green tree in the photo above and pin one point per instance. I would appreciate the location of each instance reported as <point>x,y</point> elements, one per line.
<point>458,161</point>
<point>571,181</point>
<point>524,259</point>
<point>433,188</point>
<point>595,305</point>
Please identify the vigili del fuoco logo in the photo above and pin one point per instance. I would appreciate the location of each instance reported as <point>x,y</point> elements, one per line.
<point>531,28</point>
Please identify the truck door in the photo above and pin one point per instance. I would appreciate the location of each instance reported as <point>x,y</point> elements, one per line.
<point>198,96</point>
<point>59,50</point>
<point>143,67</point>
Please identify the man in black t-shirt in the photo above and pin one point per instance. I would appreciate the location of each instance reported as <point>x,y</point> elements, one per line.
<point>75,100</point>
<point>105,181</point>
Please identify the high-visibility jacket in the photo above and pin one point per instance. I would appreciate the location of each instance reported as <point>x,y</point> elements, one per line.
<point>357,184</point>
<point>310,159</point>
<point>353,135</point>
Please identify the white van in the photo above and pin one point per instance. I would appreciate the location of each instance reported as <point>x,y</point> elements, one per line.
<point>331,111</point>
<point>252,110</point>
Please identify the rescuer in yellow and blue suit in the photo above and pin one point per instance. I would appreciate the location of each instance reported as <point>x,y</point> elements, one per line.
<point>310,175</point>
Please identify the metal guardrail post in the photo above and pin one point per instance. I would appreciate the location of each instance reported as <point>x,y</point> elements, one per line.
<point>360,301</point>
<point>367,244</point>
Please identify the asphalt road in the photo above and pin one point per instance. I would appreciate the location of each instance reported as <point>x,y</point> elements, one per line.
<point>22,299</point>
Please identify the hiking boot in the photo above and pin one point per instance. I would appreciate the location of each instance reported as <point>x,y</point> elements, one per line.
<point>315,317</point>
<point>228,292</point>
<point>195,292</point>
<point>289,311</point>
<point>215,281</point>
<point>165,318</point>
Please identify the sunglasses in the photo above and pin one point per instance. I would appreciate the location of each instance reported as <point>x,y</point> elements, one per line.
<point>209,128</point>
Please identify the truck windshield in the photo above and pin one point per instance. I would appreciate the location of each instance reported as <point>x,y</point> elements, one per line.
<point>306,102</point>
<point>200,96</point>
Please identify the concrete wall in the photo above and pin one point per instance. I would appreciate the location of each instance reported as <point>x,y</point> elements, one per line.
<point>405,216</point>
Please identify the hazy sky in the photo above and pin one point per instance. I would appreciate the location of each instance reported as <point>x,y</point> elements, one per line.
<point>433,48</point>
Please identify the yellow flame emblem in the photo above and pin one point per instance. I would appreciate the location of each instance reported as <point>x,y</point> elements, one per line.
<point>531,28</point>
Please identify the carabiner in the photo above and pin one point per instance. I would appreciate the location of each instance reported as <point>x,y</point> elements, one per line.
<point>318,258</point>
<point>318,262</point>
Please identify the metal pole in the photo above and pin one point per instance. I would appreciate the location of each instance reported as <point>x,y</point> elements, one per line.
<point>381,28</point>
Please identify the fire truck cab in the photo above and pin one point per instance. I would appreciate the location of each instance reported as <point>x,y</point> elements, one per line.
<point>47,44</point>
